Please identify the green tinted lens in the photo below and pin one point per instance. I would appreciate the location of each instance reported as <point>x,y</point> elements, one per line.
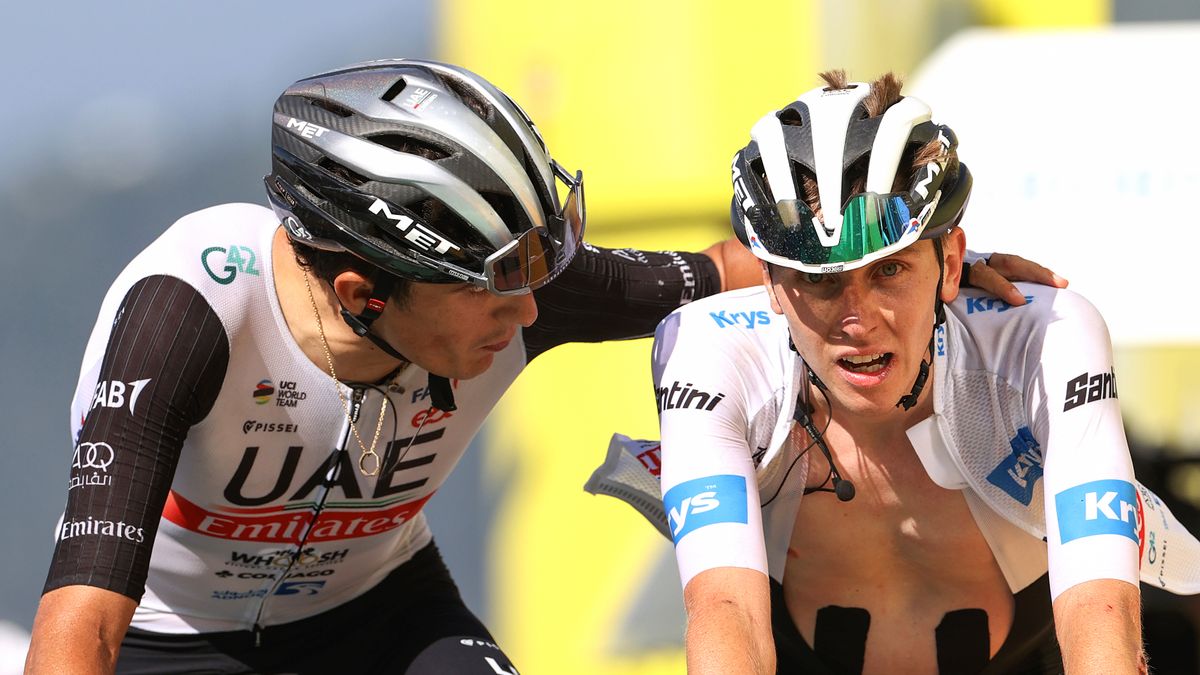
<point>870,223</point>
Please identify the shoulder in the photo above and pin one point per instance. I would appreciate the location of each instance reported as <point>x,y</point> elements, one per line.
<point>731,321</point>
<point>989,319</point>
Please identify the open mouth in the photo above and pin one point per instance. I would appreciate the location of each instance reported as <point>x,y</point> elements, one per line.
<point>866,364</point>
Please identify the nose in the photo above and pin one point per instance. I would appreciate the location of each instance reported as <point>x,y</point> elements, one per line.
<point>520,309</point>
<point>854,320</point>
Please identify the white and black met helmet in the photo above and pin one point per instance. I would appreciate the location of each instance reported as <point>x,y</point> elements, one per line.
<point>424,170</point>
<point>828,134</point>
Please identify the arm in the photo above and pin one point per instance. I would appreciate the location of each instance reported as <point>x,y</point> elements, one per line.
<point>739,268</point>
<point>91,620</point>
<point>163,363</point>
<point>729,622</point>
<point>1092,506</point>
<point>1099,626</point>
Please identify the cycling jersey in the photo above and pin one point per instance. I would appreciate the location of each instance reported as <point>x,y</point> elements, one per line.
<point>1026,422</point>
<point>214,465</point>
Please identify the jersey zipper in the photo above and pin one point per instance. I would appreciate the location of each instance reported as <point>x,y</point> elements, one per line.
<point>333,466</point>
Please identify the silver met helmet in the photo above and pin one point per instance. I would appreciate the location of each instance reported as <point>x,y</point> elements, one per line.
<point>827,133</point>
<point>425,170</point>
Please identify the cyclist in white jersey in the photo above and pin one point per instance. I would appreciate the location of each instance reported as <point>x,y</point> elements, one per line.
<point>972,494</point>
<point>264,410</point>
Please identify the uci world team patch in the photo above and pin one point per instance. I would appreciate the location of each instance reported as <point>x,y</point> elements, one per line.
<point>705,501</point>
<point>1098,507</point>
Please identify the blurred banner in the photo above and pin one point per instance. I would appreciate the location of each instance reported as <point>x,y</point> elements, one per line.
<point>1083,159</point>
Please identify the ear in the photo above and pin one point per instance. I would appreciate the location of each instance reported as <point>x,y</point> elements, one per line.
<point>766,275</point>
<point>954,245</point>
<point>353,290</point>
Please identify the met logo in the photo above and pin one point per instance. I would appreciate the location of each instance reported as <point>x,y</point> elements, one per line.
<point>1098,507</point>
<point>705,501</point>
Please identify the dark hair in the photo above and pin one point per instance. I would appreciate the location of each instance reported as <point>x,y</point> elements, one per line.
<point>327,265</point>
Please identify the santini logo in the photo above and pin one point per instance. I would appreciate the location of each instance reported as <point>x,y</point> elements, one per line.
<point>705,501</point>
<point>675,396</point>
<point>1087,388</point>
<point>1098,507</point>
<point>748,319</point>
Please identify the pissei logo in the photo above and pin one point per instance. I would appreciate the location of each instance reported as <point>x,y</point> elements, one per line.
<point>236,259</point>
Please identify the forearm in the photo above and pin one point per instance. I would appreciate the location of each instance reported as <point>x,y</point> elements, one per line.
<point>78,630</point>
<point>1099,628</point>
<point>729,623</point>
<point>725,640</point>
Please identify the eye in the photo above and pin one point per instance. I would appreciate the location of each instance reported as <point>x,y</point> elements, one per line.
<point>889,269</point>
<point>813,277</point>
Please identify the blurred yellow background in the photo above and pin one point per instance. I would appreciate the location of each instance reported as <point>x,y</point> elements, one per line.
<point>651,100</point>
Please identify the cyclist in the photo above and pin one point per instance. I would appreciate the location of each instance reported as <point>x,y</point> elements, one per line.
<point>270,396</point>
<point>972,498</point>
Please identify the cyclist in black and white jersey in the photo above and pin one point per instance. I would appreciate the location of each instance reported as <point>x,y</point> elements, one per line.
<point>264,409</point>
<point>862,472</point>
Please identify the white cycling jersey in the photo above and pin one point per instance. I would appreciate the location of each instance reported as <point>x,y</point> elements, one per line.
<point>1026,421</point>
<point>214,467</point>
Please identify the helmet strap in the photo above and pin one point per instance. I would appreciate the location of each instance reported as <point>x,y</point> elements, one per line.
<point>939,316</point>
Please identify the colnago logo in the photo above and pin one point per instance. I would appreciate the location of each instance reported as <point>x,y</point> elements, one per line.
<point>429,416</point>
<point>420,236</point>
<point>115,394</point>
<point>305,129</point>
<point>237,259</point>
<point>724,319</point>
<point>1087,388</point>
<point>705,501</point>
<point>676,396</point>
<point>981,304</point>
<point>1018,474</point>
<point>301,574</point>
<point>1099,507</point>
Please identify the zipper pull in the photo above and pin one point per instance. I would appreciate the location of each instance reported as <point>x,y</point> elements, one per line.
<point>258,631</point>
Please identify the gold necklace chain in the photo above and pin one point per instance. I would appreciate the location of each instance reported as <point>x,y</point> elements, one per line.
<point>366,452</point>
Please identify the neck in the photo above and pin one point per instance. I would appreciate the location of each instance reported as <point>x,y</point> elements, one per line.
<point>881,433</point>
<point>354,358</point>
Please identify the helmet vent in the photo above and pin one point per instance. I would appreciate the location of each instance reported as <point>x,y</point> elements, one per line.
<point>410,146</point>
<point>790,117</point>
<point>394,90</point>
<point>336,109</point>
<point>342,172</point>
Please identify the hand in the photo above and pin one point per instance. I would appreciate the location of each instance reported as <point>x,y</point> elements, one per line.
<point>995,274</point>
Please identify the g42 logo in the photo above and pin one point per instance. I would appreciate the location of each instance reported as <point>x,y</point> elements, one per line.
<point>237,259</point>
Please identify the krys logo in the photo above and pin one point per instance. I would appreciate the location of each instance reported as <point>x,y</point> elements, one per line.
<point>725,319</point>
<point>1099,507</point>
<point>223,264</point>
<point>975,305</point>
<point>1018,474</point>
<point>705,501</point>
<point>285,396</point>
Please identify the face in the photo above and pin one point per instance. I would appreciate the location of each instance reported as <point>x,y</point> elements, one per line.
<point>865,332</point>
<point>454,330</point>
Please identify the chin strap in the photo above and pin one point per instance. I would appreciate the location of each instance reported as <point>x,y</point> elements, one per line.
<point>939,316</point>
<point>440,391</point>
